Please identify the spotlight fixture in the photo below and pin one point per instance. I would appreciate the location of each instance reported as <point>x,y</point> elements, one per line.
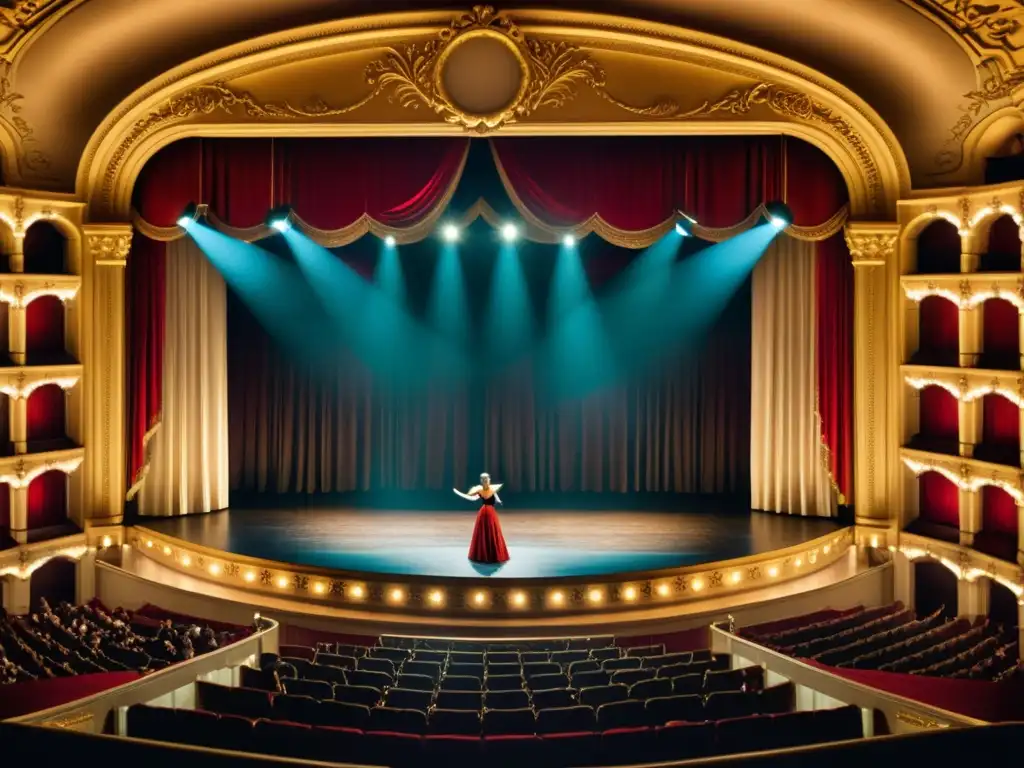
<point>450,233</point>
<point>569,241</point>
<point>280,219</point>
<point>389,241</point>
<point>509,233</point>
<point>779,215</point>
<point>189,215</point>
<point>684,224</point>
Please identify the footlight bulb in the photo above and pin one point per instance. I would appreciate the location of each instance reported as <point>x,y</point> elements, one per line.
<point>149,544</point>
<point>436,597</point>
<point>186,560</point>
<point>396,595</point>
<point>773,571</point>
<point>557,598</point>
<point>250,576</point>
<point>318,588</point>
<point>596,595</point>
<point>698,585</point>
<point>736,577</point>
<point>107,541</point>
<point>518,599</point>
<point>479,598</point>
<point>357,592</point>
<point>629,593</point>
<point>282,582</point>
<point>799,562</point>
<point>214,570</point>
<point>664,590</point>
<point>167,550</point>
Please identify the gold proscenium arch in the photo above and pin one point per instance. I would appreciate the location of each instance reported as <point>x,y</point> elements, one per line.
<point>579,73</point>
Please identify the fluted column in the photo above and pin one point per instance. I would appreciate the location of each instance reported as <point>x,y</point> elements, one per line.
<point>19,512</point>
<point>876,359</point>
<point>18,406</point>
<point>970,420</point>
<point>972,335</point>
<point>973,598</point>
<point>103,350</point>
<point>970,516</point>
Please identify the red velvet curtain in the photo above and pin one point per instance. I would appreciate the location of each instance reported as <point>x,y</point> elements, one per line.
<point>1001,424</point>
<point>999,512</point>
<point>1001,334</point>
<point>144,307</point>
<point>632,183</point>
<point>939,417</point>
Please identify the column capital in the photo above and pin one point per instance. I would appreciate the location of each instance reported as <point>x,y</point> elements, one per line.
<point>108,244</point>
<point>871,243</point>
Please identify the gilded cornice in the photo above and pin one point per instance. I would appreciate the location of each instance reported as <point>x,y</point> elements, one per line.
<point>566,84</point>
<point>21,18</point>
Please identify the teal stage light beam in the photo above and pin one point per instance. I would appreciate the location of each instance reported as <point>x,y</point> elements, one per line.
<point>388,274</point>
<point>273,289</point>
<point>380,332</point>
<point>509,317</point>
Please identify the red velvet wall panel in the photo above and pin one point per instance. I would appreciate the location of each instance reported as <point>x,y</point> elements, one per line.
<point>1001,422</point>
<point>999,511</point>
<point>939,326</point>
<point>44,327</point>
<point>939,500</point>
<point>48,499</point>
<point>938,249</point>
<point>940,415</point>
<point>45,249</point>
<point>1002,329</point>
<point>45,413</point>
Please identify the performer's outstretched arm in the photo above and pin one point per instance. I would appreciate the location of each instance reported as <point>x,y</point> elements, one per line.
<point>467,496</point>
<point>497,498</point>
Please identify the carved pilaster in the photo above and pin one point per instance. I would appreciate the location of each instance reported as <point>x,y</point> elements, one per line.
<point>106,249</point>
<point>873,252</point>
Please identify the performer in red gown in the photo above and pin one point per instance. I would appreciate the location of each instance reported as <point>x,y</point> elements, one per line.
<point>488,545</point>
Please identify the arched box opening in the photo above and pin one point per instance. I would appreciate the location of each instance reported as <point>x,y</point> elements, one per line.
<point>1003,252</point>
<point>935,587</point>
<point>1002,608</point>
<point>54,581</point>
<point>48,505</point>
<point>938,422</point>
<point>46,421</point>
<point>938,249</point>
<point>938,508</point>
<point>999,523</point>
<point>1001,336</point>
<point>45,249</point>
<point>1000,431</point>
<point>45,332</point>
<point>939,333</point>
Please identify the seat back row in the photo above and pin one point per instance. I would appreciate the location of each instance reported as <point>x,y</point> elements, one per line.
<point>673,741</point>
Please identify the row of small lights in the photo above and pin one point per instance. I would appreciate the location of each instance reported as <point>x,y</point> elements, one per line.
<point>969,484</point>
<point>966,396</point>
<point>914,553</point>
<point>480,598</point>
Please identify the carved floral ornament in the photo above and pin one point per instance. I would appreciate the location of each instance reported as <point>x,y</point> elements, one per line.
<point>869,248</point>
<point>444,76</point>
<point>109,249</point>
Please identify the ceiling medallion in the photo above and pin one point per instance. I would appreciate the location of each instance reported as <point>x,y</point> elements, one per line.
<point>482,72</point>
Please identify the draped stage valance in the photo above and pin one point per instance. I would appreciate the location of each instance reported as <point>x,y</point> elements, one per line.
<point>627,191</point>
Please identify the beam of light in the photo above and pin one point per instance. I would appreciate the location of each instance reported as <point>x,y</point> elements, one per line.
<point>447,306</point>
<point>366,320</point>
<point>569,241</point>
<point>508,319</point>
<point>273,289</point>
<point>450,233</point>
<point>509,233</point>
<point>388,274</point>
<point>575,353</point>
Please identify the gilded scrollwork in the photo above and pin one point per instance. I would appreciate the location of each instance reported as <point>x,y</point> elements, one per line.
<point>109,250</point>
<point>30,159</point>
<point>553,72</point>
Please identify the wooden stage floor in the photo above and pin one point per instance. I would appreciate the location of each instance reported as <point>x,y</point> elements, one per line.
<point>542,543</point>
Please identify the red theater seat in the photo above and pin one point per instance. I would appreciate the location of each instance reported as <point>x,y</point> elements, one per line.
<point>685,741</point>
<point>744,734</point>
<point>511,751</point>
<point>570,749</point>
<point>298,652</point>
<point>624,746</point>
<point>333,744</point>
<point>393,749</point>
<point>575,719</point>
<point>452,750</point>
<point>283,739</point>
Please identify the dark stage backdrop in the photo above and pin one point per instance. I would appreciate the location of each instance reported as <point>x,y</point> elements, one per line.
<point>309,417</point>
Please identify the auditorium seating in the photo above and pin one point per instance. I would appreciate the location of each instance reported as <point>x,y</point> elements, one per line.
<point>892,639</point>
<point>554,705</point>
<point>77,640</point>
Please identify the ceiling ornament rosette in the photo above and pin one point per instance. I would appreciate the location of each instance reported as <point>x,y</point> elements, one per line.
<point>567,78</point>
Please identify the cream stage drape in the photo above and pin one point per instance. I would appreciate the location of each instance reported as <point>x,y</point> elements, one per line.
<point>188,469</point>
<point>786,469</point>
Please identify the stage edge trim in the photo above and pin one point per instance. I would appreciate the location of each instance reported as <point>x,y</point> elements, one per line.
<point>426,595</point>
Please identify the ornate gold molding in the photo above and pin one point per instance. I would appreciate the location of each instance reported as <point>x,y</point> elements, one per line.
<point>871,244</point>
<point>18,18</point>
<point>27,157</point>
<point>556,76</point>
<point>108,244</point>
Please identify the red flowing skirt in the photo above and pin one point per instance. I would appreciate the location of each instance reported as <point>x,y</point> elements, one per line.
<point>488,545</point>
